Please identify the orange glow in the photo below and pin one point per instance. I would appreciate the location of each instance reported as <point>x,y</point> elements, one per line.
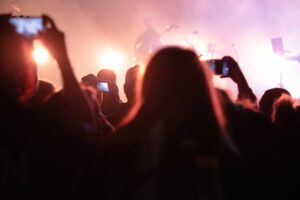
<point>40,53</point>
<point>112,60</point>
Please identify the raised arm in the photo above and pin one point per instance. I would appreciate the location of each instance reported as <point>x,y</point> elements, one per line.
<point>236,74</point>
<point>54,41</point>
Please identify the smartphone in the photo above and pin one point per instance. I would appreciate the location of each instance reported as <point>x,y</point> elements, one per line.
<point>28,26</point>
<point>219,67</point>
<point>102,86</point>
<point>225,68</point>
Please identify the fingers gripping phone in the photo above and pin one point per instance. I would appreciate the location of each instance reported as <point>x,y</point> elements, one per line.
<point>219,67</point>
<point>28,26</point>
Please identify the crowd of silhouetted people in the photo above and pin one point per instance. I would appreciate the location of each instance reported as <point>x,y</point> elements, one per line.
<point>176,137</point>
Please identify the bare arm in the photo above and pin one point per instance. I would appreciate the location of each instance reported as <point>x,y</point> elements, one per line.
<point>236,74</point>
<point>78,106</point>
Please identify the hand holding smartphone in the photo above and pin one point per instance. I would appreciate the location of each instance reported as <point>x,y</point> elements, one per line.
<point>219,67</point>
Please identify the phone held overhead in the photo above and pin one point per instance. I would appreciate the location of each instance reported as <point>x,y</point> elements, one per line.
<point>219,66</point>
<point>27,26</point>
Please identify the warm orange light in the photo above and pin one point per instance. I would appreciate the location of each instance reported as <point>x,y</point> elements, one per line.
<point>112,60</point>
<point>40,53</point>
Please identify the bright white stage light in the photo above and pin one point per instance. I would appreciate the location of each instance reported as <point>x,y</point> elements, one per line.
<point>40,53</point>
<point>112,60</point>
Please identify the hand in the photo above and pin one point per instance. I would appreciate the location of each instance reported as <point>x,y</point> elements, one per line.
<point>5,26</point>
<point>4,18</point>
<point>234,72</point>
<point>54,41</point>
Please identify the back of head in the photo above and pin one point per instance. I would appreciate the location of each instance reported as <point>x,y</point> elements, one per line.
<point>175,81</point>
<point>269,97</point>
<point>283,111</point>
<point>107,75</point>
<point>18,75</point>
<point>90,80</point>
<point>111,99</point>
<point>178,89</point>
<point>130,82</point>
<point>44,90</point>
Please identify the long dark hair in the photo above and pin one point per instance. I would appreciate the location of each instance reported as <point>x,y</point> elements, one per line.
<point>176,86</point>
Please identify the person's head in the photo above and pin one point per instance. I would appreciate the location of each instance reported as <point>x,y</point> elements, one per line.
<point>18,75</point>
<point>284,112</point>
<point>175,83</point>
<point>178,88</point>
<point>90,80</point>
<point>268,98</point>
<point>107,75</point>
<point>130,82</point>
<point>111,99</point>
<point>174,78</point>
<point>44,90</point>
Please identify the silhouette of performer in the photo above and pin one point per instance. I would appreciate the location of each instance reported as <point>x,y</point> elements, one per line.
<point>147,42</point>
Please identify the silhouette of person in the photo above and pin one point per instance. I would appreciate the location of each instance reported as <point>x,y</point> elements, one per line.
<point>170,148</point>
<point>268,98</point>
<point>147,42</point>
<point>44,90</point>
<point>111,99</point>
<point>131,80</point>
<point>42,148</point>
